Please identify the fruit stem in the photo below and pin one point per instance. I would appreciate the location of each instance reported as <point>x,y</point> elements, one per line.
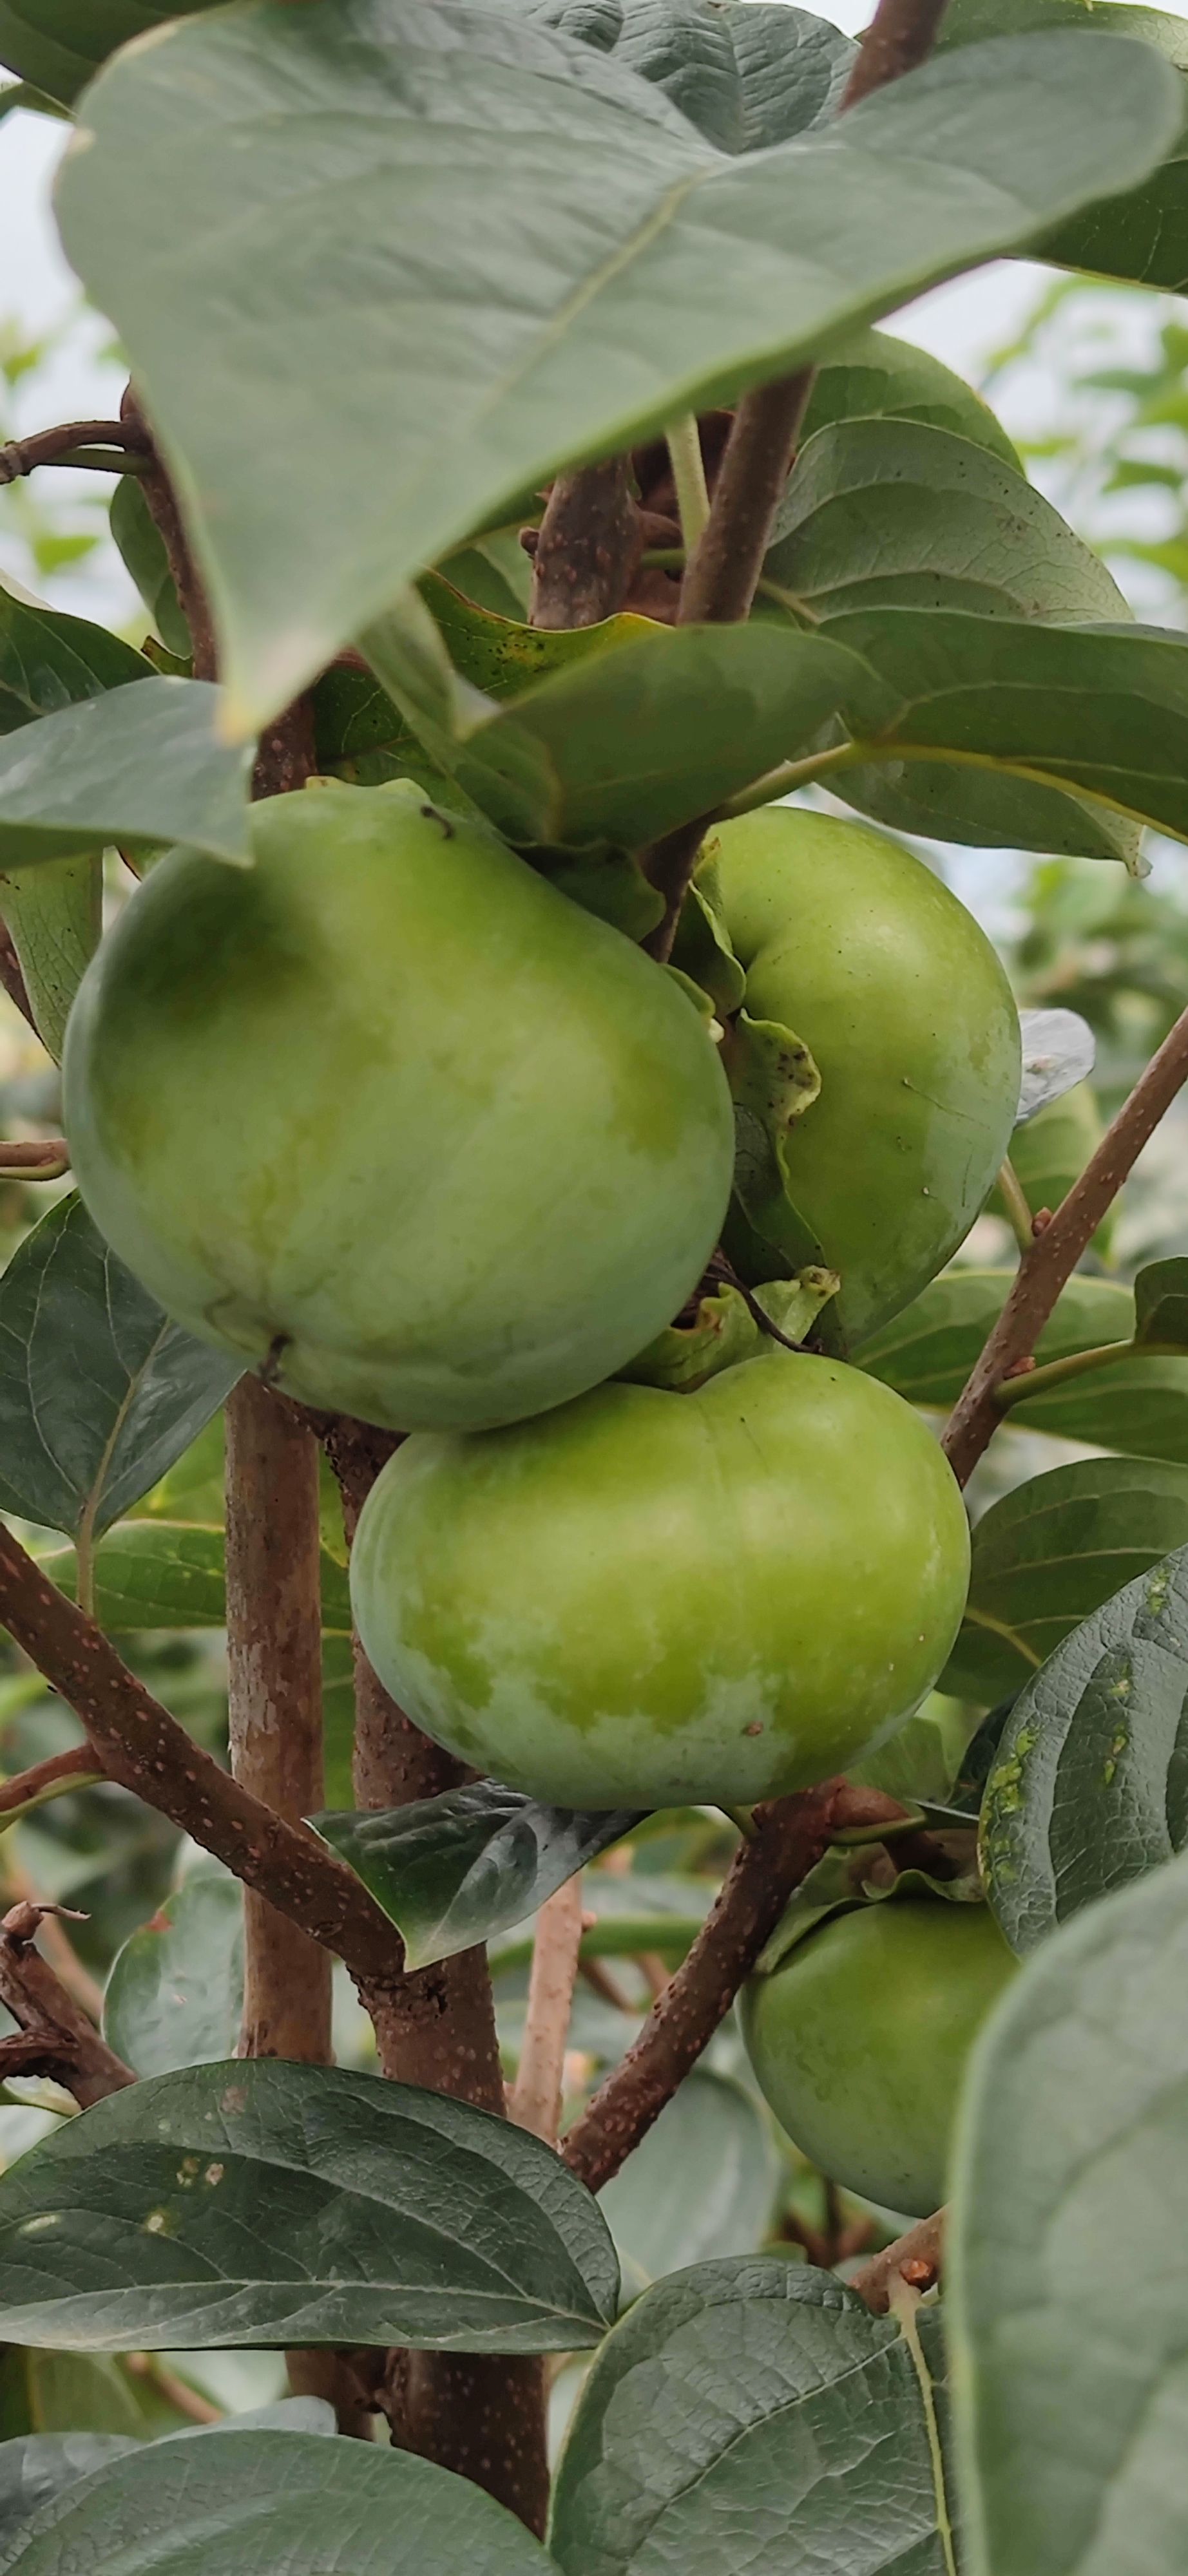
<point>744,1818</point>
<point>688,473</point>
<point>1017,1390</point>
<point>903,2301</point>
<point>1014,1199</point>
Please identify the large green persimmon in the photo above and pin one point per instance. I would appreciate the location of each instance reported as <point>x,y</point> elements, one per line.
<point>647,1599</point>
<point>859,2040</point>
<point>852,943</point>
<point>389,1114</point>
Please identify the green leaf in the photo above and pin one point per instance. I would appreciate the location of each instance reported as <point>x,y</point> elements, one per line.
<point>58,44</point>
<point>99,1392</point>
<point>445,142</point>
<point>175,1993</point>
<point>1070,2269</point>
<point>1089,1785</point>
<point>629,1914</point>
<point>453,1871</point>
<point>702,2182</point>
<point>288,2502</point>
<point>37,2466</point>
<point>1050,1152</point>
<point>747,73</point>
<point>694,714</point>
<point>1059,1051</point>
<point>1099,710</point>
<point>142,549</point>
<point>49,661</point>
<point>887,513</point>
<point>871,375</point>
<point>1161,1303</point>
<point>260,2203</point>
<point>140,765</point>
<point>54,913</point>
<point>1051,1552</point>
<point>193,1490</point>
<point>1142,234</point>
<point>750,2414</point>
<point>150,1573</point>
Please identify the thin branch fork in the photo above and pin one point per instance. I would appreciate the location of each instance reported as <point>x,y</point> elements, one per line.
<point>143,1748</point>
<point>914,2258</point>
<point>1052,1257</point>
<point>55,2037</point>
<point>789,1838</point>
<point>21,456</point>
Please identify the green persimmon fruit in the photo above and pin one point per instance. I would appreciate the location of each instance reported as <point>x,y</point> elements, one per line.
<point>852,943</point>
<point>649,1599</point>
<point>389,1114</point>
<point>860,2036</point>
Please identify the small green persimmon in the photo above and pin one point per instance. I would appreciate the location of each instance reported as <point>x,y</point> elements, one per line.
<point>859,2040</point>
<point>390,1115</point>
<point>649,1599</point>
<point>852,943</point>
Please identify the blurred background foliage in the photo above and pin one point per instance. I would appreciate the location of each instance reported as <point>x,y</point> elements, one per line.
<point>151,1923</point>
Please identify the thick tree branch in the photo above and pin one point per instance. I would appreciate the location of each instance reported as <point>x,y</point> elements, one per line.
<point>55,2037</point>
<point>789,1839</point>
<point>914,2258</point>
<point>1053,1255</point>
<point>143,1748</point>
<point>588,547</point>
<point>274,1653</point>
<point>536,2100</point>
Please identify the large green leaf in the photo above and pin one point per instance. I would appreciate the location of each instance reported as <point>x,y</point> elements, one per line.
<point>263,2203</point>
<point>1089,1787</point>
<point>456,1870</point>
<point>175,1993</point>
<point>139,766</point>
<point>702,2182</point>
<point>1138,1406</point>
<point>1144,234</point>
<point>872,375</point>
<point>49,661</point>
<point>1070,2252</point>
<point>151,1573</point>
<point>1051,1552</point>
<point>746,72</point>
<point>287,2502</point>
<point>36,2468</point>
<point>965,710</point>
<point>99,1392</point>
<point>57,44</point>
<point>750,2414</point>
<point>442,145</point>
<point>54,914</point>
<point>888,513</point>
<point>623,744</point>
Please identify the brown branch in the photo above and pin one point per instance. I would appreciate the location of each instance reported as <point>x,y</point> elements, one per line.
<point>21,456</point>
<point>914,2258</point>
<point>274,1655</point>
<point>1052,1258</point>
<point>900,37</point>
<point>162,502</point>
<point>39,1159</point>
<point>789,1839</point>
<point>55,2036</point>
<point>536,2098</point>
<point>79,1766</point>
<point>723,574</point>
<point>144,1749</point>
<point>588,547</point>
